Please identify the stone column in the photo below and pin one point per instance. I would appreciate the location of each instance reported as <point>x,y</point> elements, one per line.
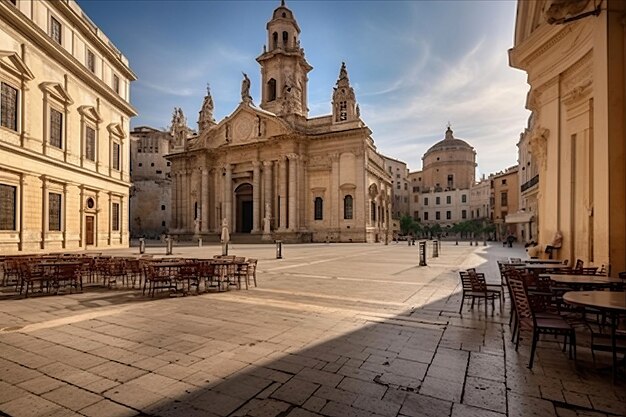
<point>283,193</point>
<point>64,216</point>
<point>256,195</point>
<point>267,189</point>
<point>293,161</point>
<point>334,191</point>
<point>204,192</point>
<point>110,228</point>
<point>174,202</point>
<point>228,195</point>
<point>184,201</point>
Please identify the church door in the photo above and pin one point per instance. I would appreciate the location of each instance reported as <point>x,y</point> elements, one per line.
<point>89,230</point>
<point>244,208</point>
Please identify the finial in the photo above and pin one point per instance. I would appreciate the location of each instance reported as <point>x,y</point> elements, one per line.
<point>449,125</point>
<point>282,3</point>
<point>208,89</point>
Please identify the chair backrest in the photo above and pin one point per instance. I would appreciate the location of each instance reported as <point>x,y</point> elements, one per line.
<point>588,270</point>
<point>477,280</point>
<point>466,283</point>
<point>579,264</point>
<point>516,260</point>
<point>520,298</point>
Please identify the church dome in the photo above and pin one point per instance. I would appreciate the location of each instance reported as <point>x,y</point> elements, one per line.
<point>450,142</point>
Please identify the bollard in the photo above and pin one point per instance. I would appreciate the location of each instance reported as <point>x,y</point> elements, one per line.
<point>422,250</point>
<point>408,241</point>
<point>142,245</point>
<point>439,245</point>
<point>224,248</point>
<point>168,245</point>
<point>199,242</point>
<point>456,242</point>
<point>471,243</point>
<point>279,249</point>
<point>435,249</point>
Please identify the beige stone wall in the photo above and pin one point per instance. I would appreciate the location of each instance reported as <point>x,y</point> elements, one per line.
<point>506,183</point>
<point>51,76</point>
<point>577,96</point>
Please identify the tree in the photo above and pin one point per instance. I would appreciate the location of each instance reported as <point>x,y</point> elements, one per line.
<point>406,224</point>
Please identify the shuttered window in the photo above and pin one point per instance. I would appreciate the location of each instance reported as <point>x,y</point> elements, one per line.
<point>90,143</point>
<point>7,207</point>
<point>56,128</point>
<point>8,107</point>
<point>115,217</point>
<point>54,212</point>
<point>347,207</point>
<point>116,156</point>
<point>91,61</point>
<point>55,30</point>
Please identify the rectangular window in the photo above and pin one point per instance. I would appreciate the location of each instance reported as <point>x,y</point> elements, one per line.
<point>448,199</point>
<point>319,208</point>
<point>56,128</point>
<point>450,181</point>
<point>504,182</point>
<point>55,30</point>
<point>54,212</point>
<point>463,198</point>
<point>398,186</point>
<point>8,107</point>
<point>425,215</point>
<point>91,61</point>
<point>373,211</point>
<point>116,83</point>
<point>116,156</point>
<point>464,214</point>
<point>115,217</point>
<point>425,201</point>
<point>437,215</point>
<point>438,200</point>
<point>7,207</point>
<point>90,144</point>
<point>416,199</point>
<point>504,199</point>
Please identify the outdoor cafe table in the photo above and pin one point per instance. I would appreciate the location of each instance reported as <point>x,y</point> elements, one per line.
<point>172,268</point>
<point>613,302</point>
<point>541,266</point>
<point>584,280</point>
<point>52,269</point>
<point>543,261</point>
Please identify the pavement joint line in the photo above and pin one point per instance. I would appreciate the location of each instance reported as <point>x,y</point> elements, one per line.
<point>331,297</point>
<point>321,261</point>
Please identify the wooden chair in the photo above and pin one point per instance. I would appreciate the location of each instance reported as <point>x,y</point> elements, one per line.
<point>527,310</point>
<point>29,274</point>
<point>155,279</point>
<point>474,287</point>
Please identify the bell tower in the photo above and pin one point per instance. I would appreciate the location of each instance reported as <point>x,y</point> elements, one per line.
<point>283,66</point>
<point>345,108</point>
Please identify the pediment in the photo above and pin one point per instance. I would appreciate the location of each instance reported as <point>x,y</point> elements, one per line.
<point>11,62</point>
<point>248,124</point>
<point>91,113</point>
<point>57,91</point>
<point>116,130</point>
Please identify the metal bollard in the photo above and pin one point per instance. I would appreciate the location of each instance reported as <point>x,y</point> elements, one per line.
<point>279,249</point>
<point>422,250</point>
<point>142,245</point>
<point>435,249</point>
<point>199,242</point>
<point>224,248</point>
<point>168,245</point>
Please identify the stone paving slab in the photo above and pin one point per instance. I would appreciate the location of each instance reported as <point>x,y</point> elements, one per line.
<point>332,330</point>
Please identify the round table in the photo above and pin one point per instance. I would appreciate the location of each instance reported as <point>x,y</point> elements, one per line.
<point>613,302</point>
<point>584,279</point>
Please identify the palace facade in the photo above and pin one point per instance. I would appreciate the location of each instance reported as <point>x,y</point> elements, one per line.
<point>273,172</point>
<point>64,149</point>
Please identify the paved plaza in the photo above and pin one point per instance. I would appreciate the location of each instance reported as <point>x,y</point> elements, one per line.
<point>334,330</point>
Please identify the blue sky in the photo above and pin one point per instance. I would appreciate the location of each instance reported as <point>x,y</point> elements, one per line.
<point>415,65</point>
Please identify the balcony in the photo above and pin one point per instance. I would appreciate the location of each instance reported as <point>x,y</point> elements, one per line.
<point>530,183</point>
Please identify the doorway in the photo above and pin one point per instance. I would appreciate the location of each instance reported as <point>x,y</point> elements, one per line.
<point>89,230</point>
<point>245,208</point>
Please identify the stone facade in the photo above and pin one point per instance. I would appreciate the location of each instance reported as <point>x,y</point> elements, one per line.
<point>399,187</point>
<point>150,197</point>
<point>271,171</point>
<point>574,54</point>
<point>527,216</point>
<point>64,148</point>
<point>480,199</point>
<point>505,192</point>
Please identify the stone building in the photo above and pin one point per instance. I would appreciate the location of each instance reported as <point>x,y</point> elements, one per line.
<point>64,118</point>
<point>480,199</point>
<point>505,191</point>
<point>399,187</point>
<point>575,56</point>
<point>150,197</point>
<point>273,172</point>
<point>440,191</point>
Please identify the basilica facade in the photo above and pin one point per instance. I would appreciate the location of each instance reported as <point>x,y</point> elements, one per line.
<point>271,171</point>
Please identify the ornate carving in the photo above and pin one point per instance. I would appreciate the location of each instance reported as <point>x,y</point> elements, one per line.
<point>243,127</point>
<point>539,145</point>
<point>292,156</point>
<point>558,10</point>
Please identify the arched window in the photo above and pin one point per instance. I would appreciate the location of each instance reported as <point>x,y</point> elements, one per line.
<point>347,207</point>
<point>373,210</point>
<point>319,208</point>
<point>271,90</point>
<point>285,38</point>
<point>274,40</point>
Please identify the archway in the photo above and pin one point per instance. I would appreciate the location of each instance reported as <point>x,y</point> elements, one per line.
<point>243,195</point>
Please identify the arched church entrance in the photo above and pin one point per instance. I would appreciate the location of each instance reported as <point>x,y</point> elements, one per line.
<point>243,194</point>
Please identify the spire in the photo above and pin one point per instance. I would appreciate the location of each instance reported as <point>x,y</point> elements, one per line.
<point>179,129</point>
<point>344,100</point>
<point>205,117</point>
<point>449,132</point>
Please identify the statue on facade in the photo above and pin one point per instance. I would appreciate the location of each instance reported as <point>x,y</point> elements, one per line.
<point>343,72</point>
<point>245,88</point>
<point>205,118</point>
<point>178,128</point>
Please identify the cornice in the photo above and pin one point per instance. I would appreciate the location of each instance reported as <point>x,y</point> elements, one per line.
<point>35,34</point>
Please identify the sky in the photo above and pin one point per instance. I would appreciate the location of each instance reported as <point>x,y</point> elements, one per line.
<point>414,65</point>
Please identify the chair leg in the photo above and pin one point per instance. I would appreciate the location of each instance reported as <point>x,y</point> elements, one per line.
<point>460,309</point>
<point>532,350</point>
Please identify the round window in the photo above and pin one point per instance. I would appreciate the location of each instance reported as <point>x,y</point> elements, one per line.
<point>91,203</point>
